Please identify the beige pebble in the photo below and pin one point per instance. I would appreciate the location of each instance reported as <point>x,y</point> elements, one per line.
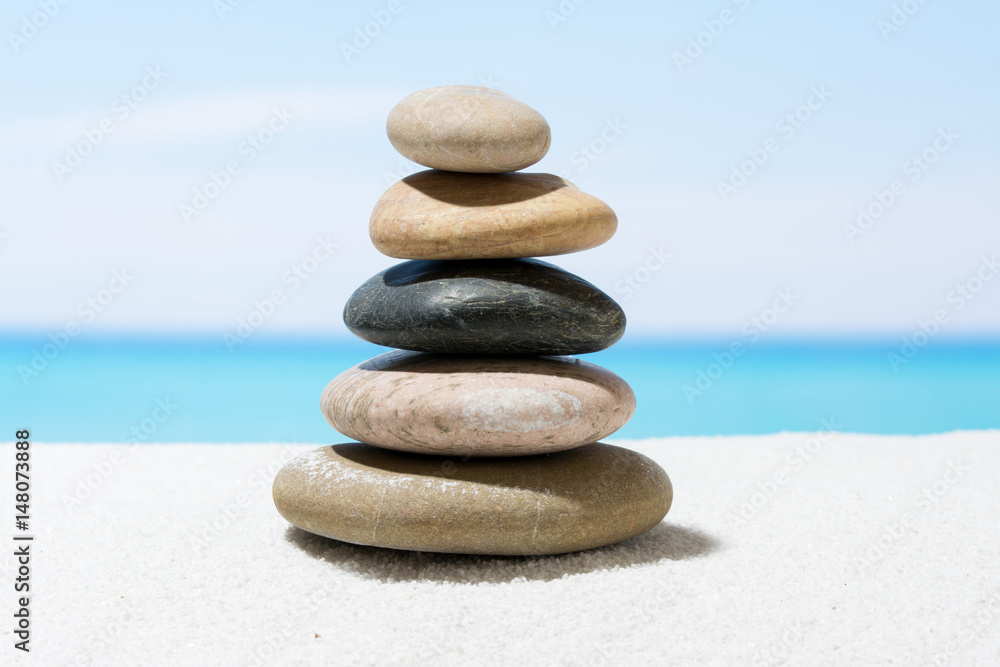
<point>481,406</point>
<point>446,215</point>
<point>528,505</point>
<point>468,128</point>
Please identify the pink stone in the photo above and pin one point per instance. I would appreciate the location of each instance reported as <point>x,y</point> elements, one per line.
<point>478,406</point>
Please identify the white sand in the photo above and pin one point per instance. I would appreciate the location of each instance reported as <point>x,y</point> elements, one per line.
<point>844,562</point>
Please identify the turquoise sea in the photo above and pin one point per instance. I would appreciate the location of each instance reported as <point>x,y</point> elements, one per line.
<point>112,389</point>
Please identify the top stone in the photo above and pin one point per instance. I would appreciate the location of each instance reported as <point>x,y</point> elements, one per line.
<point>468,128</point>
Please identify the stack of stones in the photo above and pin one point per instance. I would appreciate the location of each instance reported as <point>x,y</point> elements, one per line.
<point>480,433</point>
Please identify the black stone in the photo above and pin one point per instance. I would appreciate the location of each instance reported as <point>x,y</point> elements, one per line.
<point>500,306</point>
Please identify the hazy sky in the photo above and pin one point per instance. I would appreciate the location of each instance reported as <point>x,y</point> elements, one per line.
<point>740,138</point>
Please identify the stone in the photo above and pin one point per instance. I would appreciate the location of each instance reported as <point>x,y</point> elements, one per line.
<point>579,499</point>
<point>447,215</point>
<point>476,405</point>
<point>502,306</point>
<point>468,128</point>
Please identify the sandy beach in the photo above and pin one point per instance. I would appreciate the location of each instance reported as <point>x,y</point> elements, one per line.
<point>805,548</point>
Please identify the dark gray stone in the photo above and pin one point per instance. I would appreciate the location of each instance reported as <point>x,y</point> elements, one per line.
<point>504,306</point>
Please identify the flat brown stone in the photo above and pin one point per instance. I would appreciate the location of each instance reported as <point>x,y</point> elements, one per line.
<point>447,215</point>
<point>583,498</point>
<point>468,128</point>
<point>478,406</point>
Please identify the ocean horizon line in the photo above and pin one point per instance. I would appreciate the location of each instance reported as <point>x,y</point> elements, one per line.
<point>638,339</point>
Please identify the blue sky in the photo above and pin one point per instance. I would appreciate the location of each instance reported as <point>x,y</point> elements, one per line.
<point>652,138</point>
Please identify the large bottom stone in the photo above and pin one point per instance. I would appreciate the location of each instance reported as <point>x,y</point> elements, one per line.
<point>577,499</point>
